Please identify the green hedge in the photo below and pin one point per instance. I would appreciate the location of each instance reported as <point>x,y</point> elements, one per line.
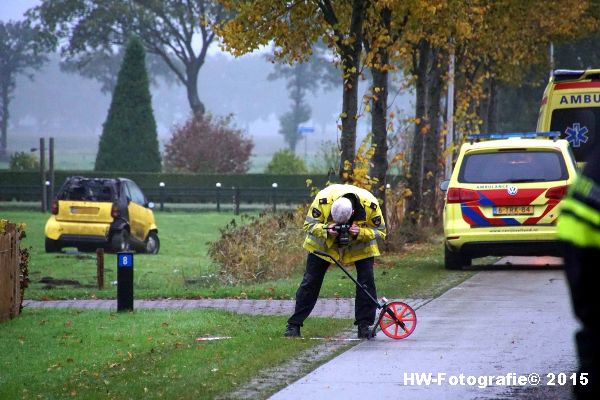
<point>148,180</point>
<point>179,188</point>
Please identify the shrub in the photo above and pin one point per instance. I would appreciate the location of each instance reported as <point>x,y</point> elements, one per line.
<point>207,145</point>
<point>285,162</point>
<point>21,161</point>
<point>268,247</point>
<point>129,140</point>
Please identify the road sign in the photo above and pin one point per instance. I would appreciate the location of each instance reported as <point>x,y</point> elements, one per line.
<point>125,260</point>
<point>305,129</point>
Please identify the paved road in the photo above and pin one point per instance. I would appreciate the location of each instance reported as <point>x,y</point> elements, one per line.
<point>496,323</point>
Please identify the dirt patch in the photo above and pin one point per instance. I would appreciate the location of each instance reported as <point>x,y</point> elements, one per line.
<point>272,380</point>
<point>78,255</point>
<point>51,283</point>
<point>204,280</point>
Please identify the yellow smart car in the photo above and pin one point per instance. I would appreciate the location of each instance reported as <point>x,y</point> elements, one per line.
<point>503,195</point>
<point>88,213</point>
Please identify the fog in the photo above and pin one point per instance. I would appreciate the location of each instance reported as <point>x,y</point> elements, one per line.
<point>72,108</point>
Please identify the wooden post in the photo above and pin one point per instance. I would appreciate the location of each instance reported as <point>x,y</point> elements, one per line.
<point>100,267</point>
<point>51,171</point>
<point>43,173</point>
<point>236,201</point>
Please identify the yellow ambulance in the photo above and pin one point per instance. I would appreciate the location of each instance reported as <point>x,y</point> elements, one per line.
<point>571,106</point>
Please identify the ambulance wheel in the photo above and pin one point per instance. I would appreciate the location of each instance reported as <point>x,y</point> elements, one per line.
<point>453,260</point>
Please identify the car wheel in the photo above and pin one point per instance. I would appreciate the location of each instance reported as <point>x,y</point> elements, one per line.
<point>453,259</point>
<point>52,246</point>
<point>120,241</point>
<point>467,261</point>
<point>152,243</point>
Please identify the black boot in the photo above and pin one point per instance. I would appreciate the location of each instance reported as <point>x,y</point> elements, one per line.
<point>292,331</point>
<point>365,332</point>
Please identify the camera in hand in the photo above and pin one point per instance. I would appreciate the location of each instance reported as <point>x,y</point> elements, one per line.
<point>343,231</point>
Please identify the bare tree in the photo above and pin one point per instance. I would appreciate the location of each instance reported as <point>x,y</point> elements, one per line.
<point>22,50</point>
<point>178,31</point>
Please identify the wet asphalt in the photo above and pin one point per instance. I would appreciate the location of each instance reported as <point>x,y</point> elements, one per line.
<point>488,338</point>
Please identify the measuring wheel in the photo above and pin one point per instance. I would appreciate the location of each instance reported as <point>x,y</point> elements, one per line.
<point>392,327</point>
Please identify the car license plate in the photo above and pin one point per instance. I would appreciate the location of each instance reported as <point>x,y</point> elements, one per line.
<point>513,210</point>
<point>84,210</point>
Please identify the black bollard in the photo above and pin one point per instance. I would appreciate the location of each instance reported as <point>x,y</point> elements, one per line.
<point>124,282</point>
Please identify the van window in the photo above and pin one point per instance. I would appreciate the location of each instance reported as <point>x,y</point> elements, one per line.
<point>513,167</point>
<point>578,126</point>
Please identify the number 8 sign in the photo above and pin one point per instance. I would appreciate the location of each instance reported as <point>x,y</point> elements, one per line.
<point>125,260</point>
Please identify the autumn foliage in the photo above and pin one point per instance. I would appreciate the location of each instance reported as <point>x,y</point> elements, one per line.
<point>205,144</point>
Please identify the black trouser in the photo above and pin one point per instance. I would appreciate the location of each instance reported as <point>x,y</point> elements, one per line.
<point>308,292</point>
<point>583,275</point>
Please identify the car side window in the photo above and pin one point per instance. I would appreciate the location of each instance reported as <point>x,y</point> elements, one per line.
<point>136,194</point>
<point>126,191</point>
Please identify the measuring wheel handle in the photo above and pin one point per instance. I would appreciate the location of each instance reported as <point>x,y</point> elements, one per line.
<point>397,320</point>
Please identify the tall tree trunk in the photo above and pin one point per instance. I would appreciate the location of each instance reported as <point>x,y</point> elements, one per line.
<point>422,126</point>
<point>379,127</point>
<point>492,120</point>
<point>350,55</point>
<point>5,99</point>
<point>379,116</point>
<point>191,86</point>
<point>433,146</point>
<point>349,48</point>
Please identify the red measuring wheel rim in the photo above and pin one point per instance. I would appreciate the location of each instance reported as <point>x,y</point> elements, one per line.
<point>404,313</point>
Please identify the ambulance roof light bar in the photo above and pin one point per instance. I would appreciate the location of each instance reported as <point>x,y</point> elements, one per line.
<point>561,75</point>
<point>522,135</point>
<point>573,73</point>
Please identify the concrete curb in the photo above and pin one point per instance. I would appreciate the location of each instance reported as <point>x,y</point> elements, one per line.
<point>332,308</point>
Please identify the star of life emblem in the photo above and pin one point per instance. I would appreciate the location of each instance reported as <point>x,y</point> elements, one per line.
<point>577,134</point>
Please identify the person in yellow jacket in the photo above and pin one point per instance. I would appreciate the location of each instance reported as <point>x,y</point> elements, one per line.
<point>346,222</point>
<point>579,229</point>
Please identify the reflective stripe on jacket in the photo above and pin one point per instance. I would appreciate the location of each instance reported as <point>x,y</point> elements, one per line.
<point>579,222</point>
<point>369,220</point>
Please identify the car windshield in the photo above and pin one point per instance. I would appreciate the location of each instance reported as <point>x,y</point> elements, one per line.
<point>513,166</point>
<point>88,190</point>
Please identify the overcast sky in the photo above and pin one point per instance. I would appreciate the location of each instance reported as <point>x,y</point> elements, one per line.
<point>14,9</point>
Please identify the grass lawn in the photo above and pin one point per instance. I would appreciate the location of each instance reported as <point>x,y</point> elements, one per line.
<point>58,354</point>
<point>183,270</point>
<point>182,259</point>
